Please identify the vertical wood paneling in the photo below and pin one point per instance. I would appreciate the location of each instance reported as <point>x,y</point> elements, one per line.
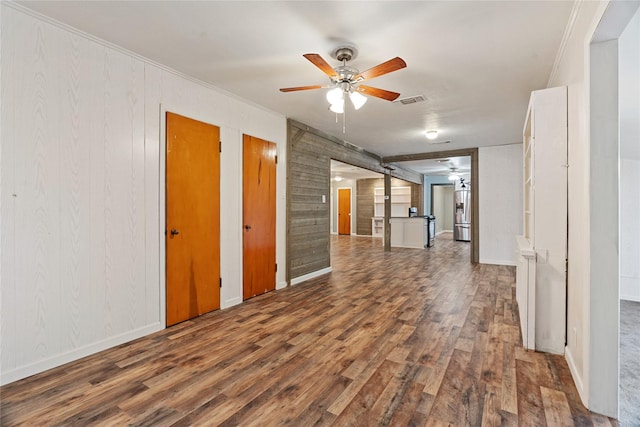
<point>7,186</point>
<point>124,164</point>
<point>80,241</point>
<point>37,215</point>
<point>152,307</point>
<point>77,220</point>
<point>74,200</point>
<point>365,204</point>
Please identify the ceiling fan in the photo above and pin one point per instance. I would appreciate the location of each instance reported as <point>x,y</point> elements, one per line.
<point>346,80</point>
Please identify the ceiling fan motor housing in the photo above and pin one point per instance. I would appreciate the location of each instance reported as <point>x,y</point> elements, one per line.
<point>346,73</point>
<point>345,52</point>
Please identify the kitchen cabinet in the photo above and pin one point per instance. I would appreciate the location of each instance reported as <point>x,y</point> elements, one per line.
<point>409,232</point>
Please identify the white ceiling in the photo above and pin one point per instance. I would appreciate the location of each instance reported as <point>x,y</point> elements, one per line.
<point>476,62</point>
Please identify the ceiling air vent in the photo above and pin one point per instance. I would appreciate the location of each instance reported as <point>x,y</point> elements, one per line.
<point>411,100</point>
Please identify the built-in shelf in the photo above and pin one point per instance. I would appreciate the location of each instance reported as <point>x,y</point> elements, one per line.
<point>377,226</point>
<point>400,201</point>
<point>541,266</point>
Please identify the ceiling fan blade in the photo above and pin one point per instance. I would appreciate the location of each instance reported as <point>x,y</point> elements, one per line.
<point>293,89</point>
<point>391,65</point>
<point>319,62</point>
<point>378,93</point>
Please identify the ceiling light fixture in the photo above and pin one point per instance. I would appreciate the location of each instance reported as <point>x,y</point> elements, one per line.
<point>357,99</point>
<point>453,174</point>
<point>336,98</point>
<point>432,134</point>
<point>338,178</point>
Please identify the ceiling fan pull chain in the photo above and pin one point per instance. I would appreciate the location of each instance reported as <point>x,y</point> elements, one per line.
<point>344,120</point>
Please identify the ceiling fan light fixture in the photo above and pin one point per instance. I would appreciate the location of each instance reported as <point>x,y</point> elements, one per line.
<point>357,99</point>
<point>337,107</point>
<point>335,95</point>
<point>432,134</point>
<point>453,177</point>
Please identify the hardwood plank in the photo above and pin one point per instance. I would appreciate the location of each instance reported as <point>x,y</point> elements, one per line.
<point>556,407</point>
<point>409,337</point>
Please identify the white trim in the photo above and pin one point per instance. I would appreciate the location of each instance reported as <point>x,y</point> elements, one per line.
<point>21,372</point>
<point>498,262</point>
<point>568,31</point>
<point>305,277</point>
<point>577,379</point>
<point>231,302</point>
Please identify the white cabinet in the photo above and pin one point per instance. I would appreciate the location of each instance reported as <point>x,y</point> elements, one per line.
<point>409,232</point>
<point>541,269</point>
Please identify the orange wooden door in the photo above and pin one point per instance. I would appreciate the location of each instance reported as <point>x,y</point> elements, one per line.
<point>259,216</point>
<point>344,211</point>
<point>193,218</point>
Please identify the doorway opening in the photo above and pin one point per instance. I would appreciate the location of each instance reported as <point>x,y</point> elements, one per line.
<point>615,163</point>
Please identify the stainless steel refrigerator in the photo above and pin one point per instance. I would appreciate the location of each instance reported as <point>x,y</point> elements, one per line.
<point>462,215</point>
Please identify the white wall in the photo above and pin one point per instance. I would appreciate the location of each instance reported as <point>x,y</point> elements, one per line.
<point>629,229</point>
<point>500,205</point>
<point>592,320</point>
<point>82,196</point>
<point>629,94</point>
<point>443,207</point>
<point>571,70</point>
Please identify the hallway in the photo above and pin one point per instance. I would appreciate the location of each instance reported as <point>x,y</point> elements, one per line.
<point>410,337</point>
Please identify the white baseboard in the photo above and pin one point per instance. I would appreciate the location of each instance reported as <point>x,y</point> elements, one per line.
<point>310,276</point>
<point>231,302</point>
<point>498,262</point>
<point>577,379</point>
<point>281,285</point>
<point>25,371</point>
<point>630,288</point>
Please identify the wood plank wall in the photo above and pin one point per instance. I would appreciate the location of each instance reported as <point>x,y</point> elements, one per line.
<point>309,152</point>
<point>364,204</point>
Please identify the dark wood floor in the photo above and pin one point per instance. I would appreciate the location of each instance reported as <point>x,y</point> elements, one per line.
<point>411,337</point>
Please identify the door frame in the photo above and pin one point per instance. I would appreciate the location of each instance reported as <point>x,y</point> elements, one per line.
<point>474,252</point>
<point>601,385</point>
<point>452,184</point>
<point>338,209</point>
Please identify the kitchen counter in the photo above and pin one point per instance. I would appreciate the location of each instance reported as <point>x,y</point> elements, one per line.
<point>409,232</point>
